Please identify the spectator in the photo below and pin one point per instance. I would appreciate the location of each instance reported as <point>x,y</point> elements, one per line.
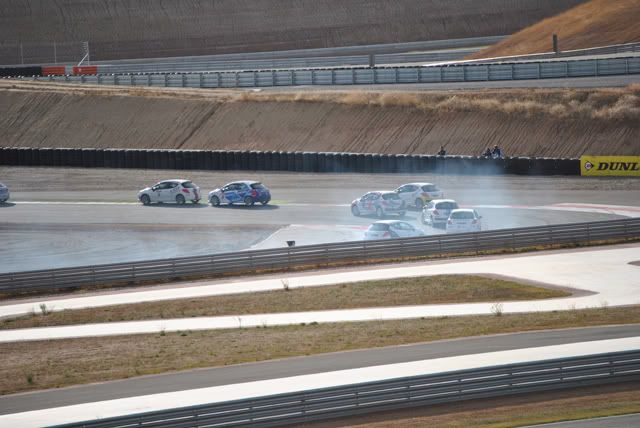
<point>496,153</point>
<point>487,153</point>
<point>442,151</point>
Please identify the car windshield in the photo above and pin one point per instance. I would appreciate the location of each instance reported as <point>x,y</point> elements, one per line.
<point>188,185</point>
<point>379,226</point>
<point>390,196</point>
<point>257,186</point>
<point>462,215</point>
<point>429,188</point>
<point>447,206</point>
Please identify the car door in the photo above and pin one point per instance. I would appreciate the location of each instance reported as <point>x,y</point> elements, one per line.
<point>406,193</point>
<point>154,193</point>
<point>168,193</point>
<point>364,204</point>
<point>163,191</point>
<point>231,193</point>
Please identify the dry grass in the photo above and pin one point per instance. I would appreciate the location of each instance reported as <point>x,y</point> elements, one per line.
<point>80,361</point>
<point>594,23</point>
<point>396,292</point>
<point>530,409</point>
<point>605,104</point>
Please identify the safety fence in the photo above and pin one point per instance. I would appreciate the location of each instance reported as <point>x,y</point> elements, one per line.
<point>318,255</point>
<point>360,75</point>
<point>330,162</point>
<point>393,394</point>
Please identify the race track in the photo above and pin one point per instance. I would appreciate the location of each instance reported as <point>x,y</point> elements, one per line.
<point>60,218</point>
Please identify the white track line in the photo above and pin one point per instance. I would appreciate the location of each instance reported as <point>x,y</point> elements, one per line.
<point>186,398</point>
<point>605,274</point>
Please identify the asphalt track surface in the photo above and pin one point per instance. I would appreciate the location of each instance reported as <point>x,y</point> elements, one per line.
<point>275,369</point>
<point>70,217</point>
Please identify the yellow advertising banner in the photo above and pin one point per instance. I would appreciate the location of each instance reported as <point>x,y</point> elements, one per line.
<point>620,166</point>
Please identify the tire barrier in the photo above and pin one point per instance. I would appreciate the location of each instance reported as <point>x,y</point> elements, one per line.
<point>20,71</point>
<point>284,161</point>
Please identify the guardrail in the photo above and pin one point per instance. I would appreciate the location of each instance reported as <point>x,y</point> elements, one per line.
<point>318,255</point>
<point>236,160</point>
<point>394,394</point>
<point>363,75</point>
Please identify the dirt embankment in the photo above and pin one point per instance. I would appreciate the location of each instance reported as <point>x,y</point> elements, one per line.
<point>554,123</point>
<point>159,28</point>
<point>595,23</point>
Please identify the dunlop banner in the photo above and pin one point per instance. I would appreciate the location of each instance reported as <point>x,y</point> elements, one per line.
<point>621,166</point>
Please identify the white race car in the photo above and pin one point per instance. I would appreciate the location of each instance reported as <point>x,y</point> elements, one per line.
<point>464,220</point>
<point>386,229</point>
<point>178,191</point>
<point>417,194</point>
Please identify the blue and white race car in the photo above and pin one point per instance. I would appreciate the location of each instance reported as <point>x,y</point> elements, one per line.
<point>241,192</point>
<point>4,193</point>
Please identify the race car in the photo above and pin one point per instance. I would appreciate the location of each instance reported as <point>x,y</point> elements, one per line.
<point>464,220</point>
<point>436,212</point>
<point>417,194</point>
<point>380,203</point>
<point>243,192</point>
<point>385,229</point>
<point>176,190</point>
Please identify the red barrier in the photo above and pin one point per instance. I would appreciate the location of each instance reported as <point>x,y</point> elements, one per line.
<point>85,70</point>
<point>54,71</point>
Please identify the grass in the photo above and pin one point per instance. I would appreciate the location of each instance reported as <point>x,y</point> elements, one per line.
<point>395,292</point>
<point>593,23</point>
<point>599,104</point>
<point>80,361</point>
<point>530,409</point>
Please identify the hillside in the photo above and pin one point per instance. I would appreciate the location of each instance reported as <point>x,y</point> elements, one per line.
<point>159,28</point>
<point>553,123</point>
<point>595,23</point>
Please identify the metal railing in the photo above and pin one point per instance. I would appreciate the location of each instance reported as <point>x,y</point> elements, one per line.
<point>393,394</point>
<point>318,255</point>
<point>364,75</point>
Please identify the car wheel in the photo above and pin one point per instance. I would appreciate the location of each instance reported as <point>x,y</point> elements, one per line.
<point>379,213</point>
<point>355,211</point>
<point>419,203</point>
<point>180,200</point>
<point>145,199</point>
<point>264,202</point>
<point>215,201</point>
<point>248,201</point>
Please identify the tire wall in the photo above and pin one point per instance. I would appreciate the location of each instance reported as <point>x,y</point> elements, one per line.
<point>284,161</point>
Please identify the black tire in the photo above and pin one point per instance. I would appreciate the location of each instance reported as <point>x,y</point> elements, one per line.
<point>419,204</point>
<point>248,201</point>
<point>215,201</point>
<point>355,211</point>
<point>264,202</point>
<point>379,212</point>
<point>180,200</point>
<point>145,199</point>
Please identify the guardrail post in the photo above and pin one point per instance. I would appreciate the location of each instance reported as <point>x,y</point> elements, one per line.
<point>184,80</point>
<point>166,80</point>
<point>255,79</point>
<point>292,78</point>
<point>513,71</point>
<point>539,71</point>
<point>201,80</point>
<point>396,75</point>
<point>236,79</point>
<point>313,77</point>
<point>333,77</point>
<point>441,73</point>
<point>218,80</point>
<point>626,66</point>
